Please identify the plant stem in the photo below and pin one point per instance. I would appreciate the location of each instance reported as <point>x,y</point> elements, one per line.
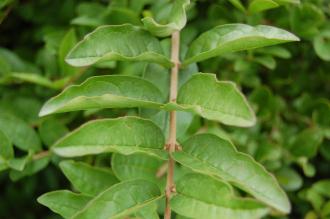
<point>171,143</point>
<point>41,155</point>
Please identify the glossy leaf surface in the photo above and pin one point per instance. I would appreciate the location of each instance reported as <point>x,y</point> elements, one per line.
<point>64,202</point>
<point>120,200</point>
<point>235,37</point>
<point>113,91</point>
<point>87,179</point>
<point>215,100</point>
<point>113,42</point>
<point>211,155</point>
<point>126,135</point>
<point>200,196</point>
<point>136,166</point>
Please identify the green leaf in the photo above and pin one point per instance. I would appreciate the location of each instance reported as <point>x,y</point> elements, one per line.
<point>6,147</point>
<point>228,38</point>
<point>211,155</point>
<point>67,43</point>
<point>322,187</point>
<point>148,212</point>
<point>276,51</point>
<point>30,168</point>
<point>215,100</point>
<point>63,202</point>
<point>257,6</point>
<point>322,46</point>
<point>200,196</point>
<point>87,179</point>
<point>50,130</point>
<point>33,78</point>
<point>238,4</point>
<point>176,20</point>
<point>121,200</point>
<point>283,2</point>
<point>267,61</point>
<point>113,91</point>
<point>325,212</point>
<point>20,162</point>
<point>13,61</point>
<point>19,132</point>
<point>289,179</point>
<point>306,143</point>
<point>136,166</point>
<point>126,135</point>
<point>117,42</point>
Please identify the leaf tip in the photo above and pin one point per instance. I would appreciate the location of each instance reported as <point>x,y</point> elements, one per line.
<point>45,111</point>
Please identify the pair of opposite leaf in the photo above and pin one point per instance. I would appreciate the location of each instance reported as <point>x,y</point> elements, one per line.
<point>132,135</point>
<point>201,94</point>
<point>99,191</point>
<point>115,43</point>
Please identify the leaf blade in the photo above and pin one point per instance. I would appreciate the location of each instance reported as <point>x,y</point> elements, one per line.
<point>235,37</point>
<point>200,154</point>
<point>19,132</point>
<point>216,200</point>
<point>112,91</point>
<point>120,200</point>
<point>64,202</point>
<point>87,179</point>
<point>216,100</point>
<point>112,42</point>
<point>125,135</point>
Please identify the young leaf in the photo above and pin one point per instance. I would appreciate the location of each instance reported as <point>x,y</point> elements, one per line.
<point>64,202</point>
<point>176,20</point>
<point>211,155</point>
<point>212,199</point>
<point>19,132</point>
<point>126,135</point>
<point>261,5</point>
<point>235,37</point>
<point>117,42</point>
<point>215,100</point>
<point>113,91</point>
<point>87,179</point>
<point>121,200</point>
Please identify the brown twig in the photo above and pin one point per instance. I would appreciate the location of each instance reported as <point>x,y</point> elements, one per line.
<point>170,187</point>
<point>40,155</point>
